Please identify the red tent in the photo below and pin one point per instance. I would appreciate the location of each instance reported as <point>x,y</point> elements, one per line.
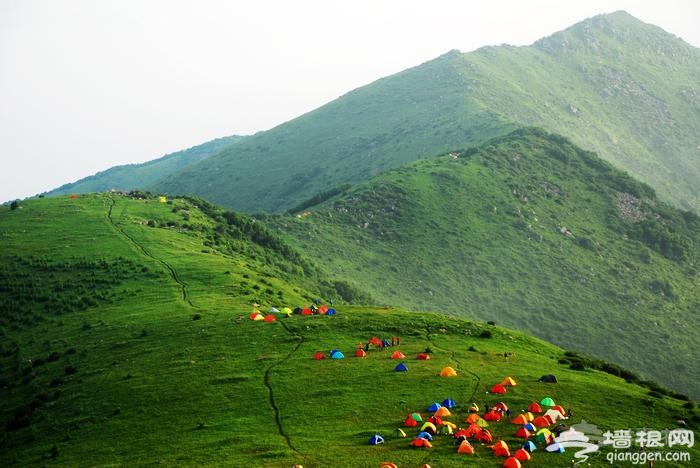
<point>492,416</point>
<point>410,421</point>
<point>269,318</point>
<point>522,454</point>
<point>540,422</point>
<point>360,353</point>
<point>319,355</point>
<point>512,462</point>
<point>306,312</point>
<point>419,442</point>
<point>498,388</point>
<point>523,433</point>
<point>534,407</point>
<point>423,356</point>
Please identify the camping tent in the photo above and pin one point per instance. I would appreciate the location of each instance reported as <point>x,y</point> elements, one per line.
<point>319,355</point>
<point>512,462</point>
<point>376,439</point>
<point>410,422</point>
<point>337,355</point>
<point>448,372</point>
<point>429,427</point>
<point>434,407</point>
<point>522,454</point>
<point>269,318</point>
<point>547,401</point>
<point>423,357</point>
<point>541,421</point>
<point>555,448</point>
<point>401,367</point>
<point>442,412</point>
<point>426,435</point>
<point>360,353</point>
<point>465,448</point>
<point>331,311</point>
<point>500,449</point>
<point>498,388</point>
<point>534,407</point>
<point>529,446</point>
<point>523,433</point>
<point>520,419</point>
<point>509,382</point>
<point>492,416</point>
<point>421,443</point>
<point>398,432</point>
<point>548,378</point>
<point>448,403</point>
<point>397,355</point>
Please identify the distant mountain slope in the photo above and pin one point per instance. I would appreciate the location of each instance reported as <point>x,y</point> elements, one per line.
<point>532,232</point>
<point>626,89</point>
<point>136,176</point>
<point>128,342</point>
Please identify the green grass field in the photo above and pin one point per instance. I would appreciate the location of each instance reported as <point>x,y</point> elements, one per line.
<point>167,368</point>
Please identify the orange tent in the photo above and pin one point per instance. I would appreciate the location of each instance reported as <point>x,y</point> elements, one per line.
<point>534,407</point>
<point>500,449</point>
<point>448,372</point>
<point>397,355</point>
<point>473,418</point>
<point>520,420</point>
<point>465,448</point>
<point>442,412</point>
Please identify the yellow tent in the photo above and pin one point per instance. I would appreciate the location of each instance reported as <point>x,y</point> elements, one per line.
<point>509,382</point>
<point>448,372</point>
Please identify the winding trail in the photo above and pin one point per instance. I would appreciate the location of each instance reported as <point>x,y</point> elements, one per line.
<point>271,394</point>
<point>142,249</point>
<point>452,357</point>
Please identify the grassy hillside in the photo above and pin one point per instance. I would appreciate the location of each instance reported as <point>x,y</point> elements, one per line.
<point>532,232</point>
<point>163,366</point>
<point>605,83</point>
<point>135,176</point>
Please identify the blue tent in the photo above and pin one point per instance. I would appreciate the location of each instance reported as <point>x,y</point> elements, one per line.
<point>529,446</point>
<point>434,407</point>
<point>555,448</point>
<point>337,354</point>
<point>425,435</point>
<point>376,439</point>
<point>449,403</point>
<point>330,312</point>
<point>401,367</point>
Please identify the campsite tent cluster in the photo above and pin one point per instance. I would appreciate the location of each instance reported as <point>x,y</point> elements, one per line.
<point>533,428</point>
<point>273,312</point>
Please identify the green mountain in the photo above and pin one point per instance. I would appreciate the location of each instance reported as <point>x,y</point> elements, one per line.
<point>135,176</point>
<point>531,232</point>
<point>126,340</point>
<point>612,84</point>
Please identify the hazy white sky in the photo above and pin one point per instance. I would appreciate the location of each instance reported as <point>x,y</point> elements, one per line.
<point>89,84</point>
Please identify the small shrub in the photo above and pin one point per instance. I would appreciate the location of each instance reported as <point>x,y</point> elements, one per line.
<point>196,317</point>
<point>491,322</point>
<point>70,370</point>
<point>689,405</point>
<point>53,357</point>
<point>655,394</point>
<point>486,334</point>
<point>577,366</point>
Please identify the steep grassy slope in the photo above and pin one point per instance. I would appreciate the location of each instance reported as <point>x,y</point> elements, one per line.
<point>613,84</point>
<point>165,367</point>
<point>534,233</point>
<point>135,176</point>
